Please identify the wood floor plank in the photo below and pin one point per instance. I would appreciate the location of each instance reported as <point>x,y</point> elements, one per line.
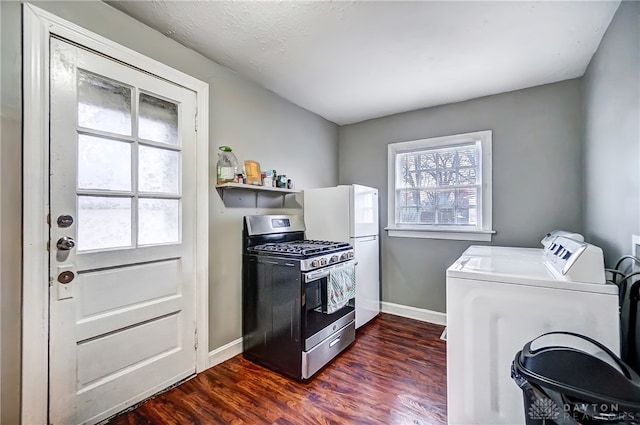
<point>395,373</point>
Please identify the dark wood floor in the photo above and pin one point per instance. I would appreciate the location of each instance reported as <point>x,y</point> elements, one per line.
<point>393,374</point>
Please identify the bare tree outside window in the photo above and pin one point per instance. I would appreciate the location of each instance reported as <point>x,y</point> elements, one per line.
<point>439,186</point>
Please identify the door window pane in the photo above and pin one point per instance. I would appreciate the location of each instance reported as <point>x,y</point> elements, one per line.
<point>103,163</point>
<point>103,104</point>
<point>158,120</point>
<point>159,170</point>
<point>159,221</point>
<point>103,222</point>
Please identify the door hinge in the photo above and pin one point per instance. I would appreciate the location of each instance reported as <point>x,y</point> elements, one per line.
<point>196,118</point>
<point>49,219</point>
<point>48,246</point>
<point>195,345</point>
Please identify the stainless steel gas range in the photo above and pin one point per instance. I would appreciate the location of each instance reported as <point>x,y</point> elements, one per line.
<point>297,296</point>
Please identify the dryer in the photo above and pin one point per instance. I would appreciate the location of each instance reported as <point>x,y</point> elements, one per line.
<point>498,298</point>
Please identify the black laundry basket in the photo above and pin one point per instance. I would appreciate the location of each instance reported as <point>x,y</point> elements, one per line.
<point>569,379</point>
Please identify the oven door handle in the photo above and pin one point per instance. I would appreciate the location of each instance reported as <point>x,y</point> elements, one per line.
<point>310,277</point>
<point>319,274</point>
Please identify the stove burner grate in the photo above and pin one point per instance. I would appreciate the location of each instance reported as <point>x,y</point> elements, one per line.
<point>303,248</point>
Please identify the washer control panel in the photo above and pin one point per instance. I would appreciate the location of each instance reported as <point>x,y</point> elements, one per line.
<point>575,260</point>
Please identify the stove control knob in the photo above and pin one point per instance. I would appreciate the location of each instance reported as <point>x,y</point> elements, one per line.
<point>315,263</point>
<point>344,256</point>
<point>334,259</point>
<point>323,261</point>
<point>351,255</point>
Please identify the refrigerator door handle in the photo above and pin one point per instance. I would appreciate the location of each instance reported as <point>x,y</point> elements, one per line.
<point>366,238</point>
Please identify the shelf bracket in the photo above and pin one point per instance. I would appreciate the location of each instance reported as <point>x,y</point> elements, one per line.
<point>257,190</point>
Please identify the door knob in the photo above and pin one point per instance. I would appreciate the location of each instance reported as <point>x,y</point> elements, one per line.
<point>65,243</point>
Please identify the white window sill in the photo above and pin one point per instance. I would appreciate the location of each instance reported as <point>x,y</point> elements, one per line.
<point>459,235</point>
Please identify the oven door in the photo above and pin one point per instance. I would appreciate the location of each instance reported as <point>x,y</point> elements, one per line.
<point>330,288</point>
<point>317,323</point>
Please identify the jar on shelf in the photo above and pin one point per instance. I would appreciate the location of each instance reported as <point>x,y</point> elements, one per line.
<point>227,165</point>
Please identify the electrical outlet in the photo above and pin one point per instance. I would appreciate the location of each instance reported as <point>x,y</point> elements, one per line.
<point>635,251</point>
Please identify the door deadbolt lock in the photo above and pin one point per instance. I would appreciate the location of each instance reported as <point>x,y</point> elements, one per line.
<point>65,243</point>
<point>65,221</point>
<point>66,277</point>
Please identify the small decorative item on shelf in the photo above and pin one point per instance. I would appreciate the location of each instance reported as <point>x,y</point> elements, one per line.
<point>281,181</point>
<point>267,179</point>
<point>253,172</point>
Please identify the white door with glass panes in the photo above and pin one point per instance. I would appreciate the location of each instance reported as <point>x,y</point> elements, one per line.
<point>122,220</point>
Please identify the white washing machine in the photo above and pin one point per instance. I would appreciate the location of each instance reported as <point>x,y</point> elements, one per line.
<point>499,298</point>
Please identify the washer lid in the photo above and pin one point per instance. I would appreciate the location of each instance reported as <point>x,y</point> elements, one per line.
<point>504,251</point>
<point>520,271</point>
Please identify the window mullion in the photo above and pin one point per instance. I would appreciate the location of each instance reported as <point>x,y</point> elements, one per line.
<point>134,169</point>
<point>436,209</point>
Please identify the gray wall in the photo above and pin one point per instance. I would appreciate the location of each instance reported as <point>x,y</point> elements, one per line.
<point>612,136</point>
<point>11,212</point>
<point>535,131</point>
<point>257,123</point>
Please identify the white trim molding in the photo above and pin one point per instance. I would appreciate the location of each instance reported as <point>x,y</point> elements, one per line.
<point>415,313</point>
<point>35,272</point>
<point>474,235</point>
<point>225,352</point>
<point>38,27</point>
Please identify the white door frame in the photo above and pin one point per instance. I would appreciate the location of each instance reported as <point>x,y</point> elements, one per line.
<point>38,26</point>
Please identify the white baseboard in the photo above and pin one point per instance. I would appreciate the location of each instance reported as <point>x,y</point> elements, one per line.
<point>225,352</point>
<point>409,312</point>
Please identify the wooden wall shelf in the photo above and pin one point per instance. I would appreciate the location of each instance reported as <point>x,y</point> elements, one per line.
<point>254,188</point>
<point>257,190</point>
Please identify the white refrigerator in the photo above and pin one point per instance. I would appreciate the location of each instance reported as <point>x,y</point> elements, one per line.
<point>349,213</point>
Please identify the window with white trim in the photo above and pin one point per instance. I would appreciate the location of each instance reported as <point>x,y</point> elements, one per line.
<point>441,187</point>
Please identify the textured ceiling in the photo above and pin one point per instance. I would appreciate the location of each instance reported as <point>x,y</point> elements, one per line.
<point>352,61</point>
